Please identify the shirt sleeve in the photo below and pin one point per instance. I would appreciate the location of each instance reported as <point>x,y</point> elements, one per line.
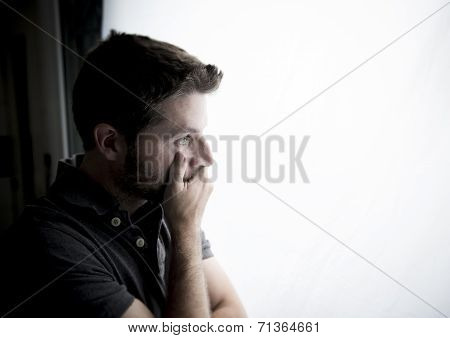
<point>206,247</point>
<point>71,279</point>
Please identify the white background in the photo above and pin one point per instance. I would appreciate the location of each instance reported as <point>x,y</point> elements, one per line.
<point>377,160</point>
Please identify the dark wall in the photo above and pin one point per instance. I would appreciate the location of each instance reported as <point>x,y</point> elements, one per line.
<point>81,24</point>
<point>36,78</point>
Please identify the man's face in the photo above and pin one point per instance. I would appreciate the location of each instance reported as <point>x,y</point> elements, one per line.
<point>146,167</point>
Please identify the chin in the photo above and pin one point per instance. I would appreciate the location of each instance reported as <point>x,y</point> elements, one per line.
<point>154,193</point>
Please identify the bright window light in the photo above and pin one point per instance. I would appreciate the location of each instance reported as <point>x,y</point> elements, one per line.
<point>369,234</point>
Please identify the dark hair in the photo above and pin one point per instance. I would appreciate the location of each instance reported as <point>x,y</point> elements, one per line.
<point>125,78</point>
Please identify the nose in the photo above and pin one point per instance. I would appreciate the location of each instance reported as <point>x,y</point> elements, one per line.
<point>203,156</point>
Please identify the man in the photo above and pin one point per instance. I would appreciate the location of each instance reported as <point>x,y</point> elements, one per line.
<point>119,232</point>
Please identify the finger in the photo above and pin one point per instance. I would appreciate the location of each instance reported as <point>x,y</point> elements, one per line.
<point>178,168</point>
<point>202,175</point>
<point>206,180</point>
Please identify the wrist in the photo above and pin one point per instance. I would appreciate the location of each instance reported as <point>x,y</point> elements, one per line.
<point>180,229</point>
<point>186,238</point>
<point>186,251</point>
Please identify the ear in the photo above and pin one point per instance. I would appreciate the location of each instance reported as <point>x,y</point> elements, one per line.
<point>109,142</point>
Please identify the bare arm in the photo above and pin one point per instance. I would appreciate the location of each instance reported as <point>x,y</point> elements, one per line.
<point>224,300</point>
<point>187,293</point>
<point>137,309</point>
<point>184,205</point>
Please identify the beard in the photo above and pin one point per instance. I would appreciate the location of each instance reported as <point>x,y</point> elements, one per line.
<point>130,179</point>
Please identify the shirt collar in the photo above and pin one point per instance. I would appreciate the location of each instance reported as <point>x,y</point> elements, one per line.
<point>78,189</point>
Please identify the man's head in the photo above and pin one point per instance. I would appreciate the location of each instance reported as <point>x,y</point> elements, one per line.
<point>136,102</point>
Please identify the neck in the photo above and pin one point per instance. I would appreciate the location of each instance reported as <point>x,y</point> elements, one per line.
<point>98,171</point>
<point>130,204</point>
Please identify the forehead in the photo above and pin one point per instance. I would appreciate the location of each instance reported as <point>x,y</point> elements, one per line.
<point>185,113</point>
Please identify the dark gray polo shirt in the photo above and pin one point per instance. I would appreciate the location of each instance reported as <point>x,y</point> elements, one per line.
<point>74,253</point>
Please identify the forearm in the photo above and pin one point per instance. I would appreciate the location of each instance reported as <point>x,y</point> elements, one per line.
<point>187,291</point>
<point>229,310</point>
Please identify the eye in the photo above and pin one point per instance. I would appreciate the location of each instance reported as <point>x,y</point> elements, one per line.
<point>184,141</point>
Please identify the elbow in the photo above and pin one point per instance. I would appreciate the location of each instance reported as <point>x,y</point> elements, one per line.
<point>226,309</point>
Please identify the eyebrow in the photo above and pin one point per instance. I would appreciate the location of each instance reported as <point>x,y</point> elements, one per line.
<point>177,131</point>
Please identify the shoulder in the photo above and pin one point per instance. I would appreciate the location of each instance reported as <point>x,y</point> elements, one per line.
<point>43,228</point>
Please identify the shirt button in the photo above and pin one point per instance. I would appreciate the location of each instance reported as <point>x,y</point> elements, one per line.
<point>115,222</point>
<point>140,242</point>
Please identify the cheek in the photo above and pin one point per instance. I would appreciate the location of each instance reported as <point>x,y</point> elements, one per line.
<point>167,156</point>
<point>149,160</point>
<point>187,151</point>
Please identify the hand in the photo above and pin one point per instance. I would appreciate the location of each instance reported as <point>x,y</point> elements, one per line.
<point>184,202</point>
